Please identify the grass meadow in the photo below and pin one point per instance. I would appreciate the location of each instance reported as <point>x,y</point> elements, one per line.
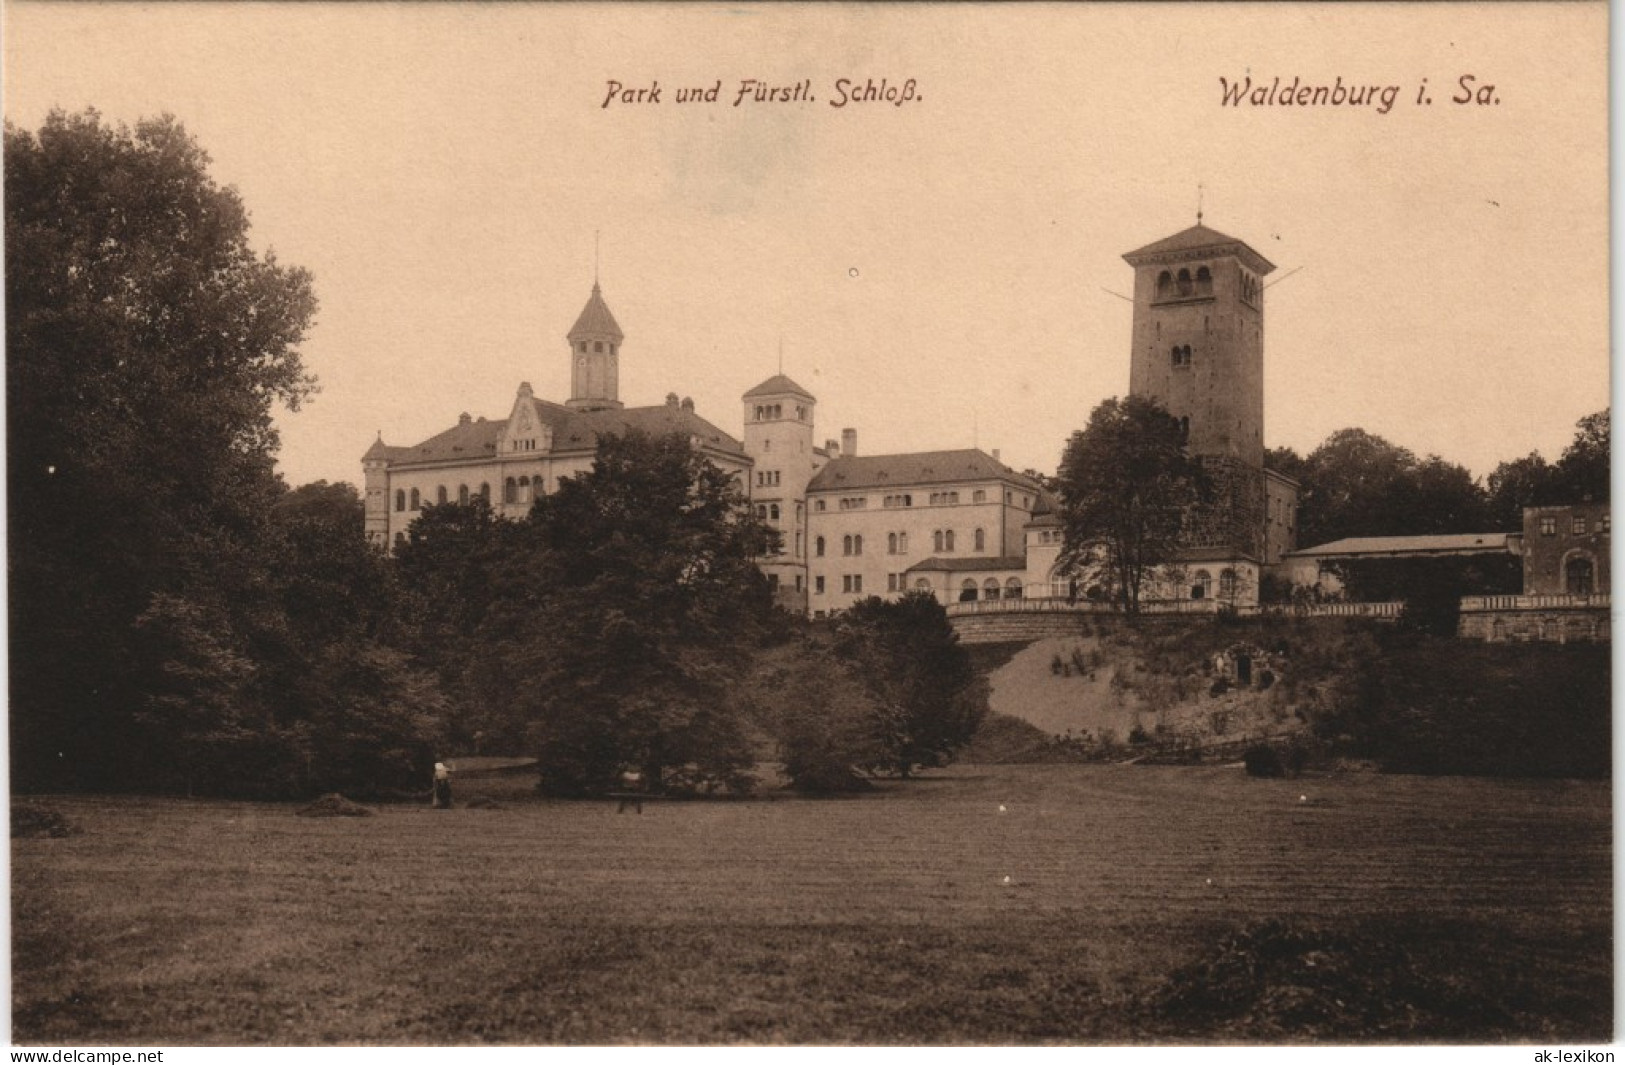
<point>1453,909</point>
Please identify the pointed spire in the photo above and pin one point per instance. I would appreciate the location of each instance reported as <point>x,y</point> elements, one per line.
<point>595,321</point>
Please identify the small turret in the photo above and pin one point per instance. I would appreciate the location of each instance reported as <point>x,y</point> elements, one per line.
<point>595,351</point>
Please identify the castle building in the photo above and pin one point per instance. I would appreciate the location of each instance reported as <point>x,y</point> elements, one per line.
<point>957,523</point>
<point>1198,350</point>
<point>512,461</point>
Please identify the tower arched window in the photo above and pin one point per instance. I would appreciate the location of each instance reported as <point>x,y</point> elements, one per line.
<point>990,588</point>
<point>936,541</point>
<point>1227,583</point>
<point>510,491</point>
<point>818,547</point>
<point>417,503</point>
<point>902,543</point>
<point>967,591</point>
<point>440,495</point>
<point>583,345</point>
<point>1165,285</point>
<point>891,543</point>
<point>1184,283</point>
<point>948,540</point>
<point>857,545</point>
<point>400,499</point>
<point>761,511</point>
<point>773,512</point>
<point>981,540</point>
<point>485,491</point>
<point>525,495</point>
<point>1204,281</point>
<point>597,346</point>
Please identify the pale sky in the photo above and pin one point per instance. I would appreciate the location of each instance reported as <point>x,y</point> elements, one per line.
<point>938,272</point>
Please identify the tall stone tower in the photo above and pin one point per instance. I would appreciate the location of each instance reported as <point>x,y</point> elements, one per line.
<point>1199,338</point>
<point>1199,352</point>
<point>779,437</point>
<point>375,471</point>
<point>595,352</point>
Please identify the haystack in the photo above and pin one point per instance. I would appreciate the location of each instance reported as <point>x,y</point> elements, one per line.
<point>334,805</point>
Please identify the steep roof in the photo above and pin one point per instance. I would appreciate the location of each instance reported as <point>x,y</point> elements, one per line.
<point>919,467</point>
<point>778,385</point>
<point>573,431</point>
<point>962,564</point>
<point>378,450</point>
<point>1385,546</point>
<point>595,319</point>
<point>1201,238</point>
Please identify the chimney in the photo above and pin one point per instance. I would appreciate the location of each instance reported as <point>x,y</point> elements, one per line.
<point>464,418</point>
<point>849,443</point>
<point>671,399</point>
<point>688,404</point>
<point>833,447</point>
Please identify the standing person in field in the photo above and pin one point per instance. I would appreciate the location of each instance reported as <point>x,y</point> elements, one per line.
<point>442,786</point>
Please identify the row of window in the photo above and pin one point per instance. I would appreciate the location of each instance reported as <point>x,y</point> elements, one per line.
<point>942,541</point>
<point>597,345</point>
<point>969,590</point>
<point>514,490</point>
<point>1184,284</point>
<point>413,500</point>
<point>767,478</point>
<point>773,411</point>
<point>1202,584</point>
<point>1579,526</point>
<point>937,499</point>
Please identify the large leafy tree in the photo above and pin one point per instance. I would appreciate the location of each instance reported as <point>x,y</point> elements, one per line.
<point>1358,484</point>
<point>147,344</point>
<point>1580,474</point>
<point>1126,484</point>
<point>927,699</point>
<point>1583,467</point>
<point>617,617</point>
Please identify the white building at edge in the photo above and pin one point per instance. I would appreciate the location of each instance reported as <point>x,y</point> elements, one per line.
<point>958,523</point>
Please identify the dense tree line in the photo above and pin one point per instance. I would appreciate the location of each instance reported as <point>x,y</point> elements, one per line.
<point>1358,484</point>
<point>177,618</point>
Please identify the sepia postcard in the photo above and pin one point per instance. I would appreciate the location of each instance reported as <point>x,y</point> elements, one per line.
<point>623,525</point>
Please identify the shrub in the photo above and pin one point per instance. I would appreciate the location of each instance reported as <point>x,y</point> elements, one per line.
<point>30,820</point>
<point>1263,760</point>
